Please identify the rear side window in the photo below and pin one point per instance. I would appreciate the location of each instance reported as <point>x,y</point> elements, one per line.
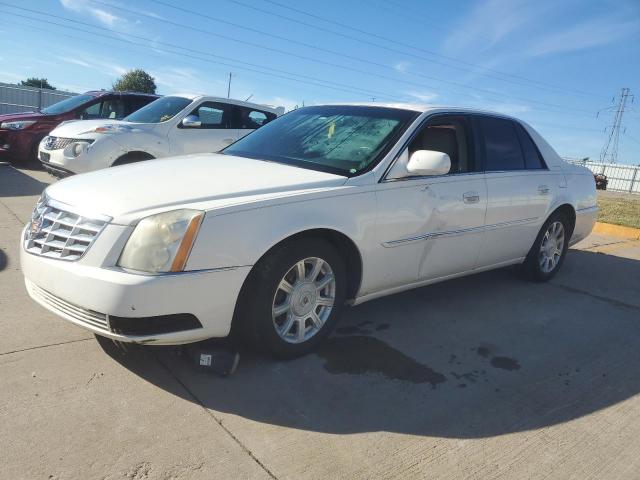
<point>133,103</point>
<point>532,158</point>
<point>502,147</point>
<point>252,119</point>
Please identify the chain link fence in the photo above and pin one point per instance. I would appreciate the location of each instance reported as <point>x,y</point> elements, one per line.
<point>621,178</point>
<point>18,98</point>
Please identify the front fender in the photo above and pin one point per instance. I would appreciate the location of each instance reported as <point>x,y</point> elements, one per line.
<point>241,238</point>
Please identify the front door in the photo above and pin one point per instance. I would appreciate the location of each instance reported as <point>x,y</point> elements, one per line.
<point>432,227</point>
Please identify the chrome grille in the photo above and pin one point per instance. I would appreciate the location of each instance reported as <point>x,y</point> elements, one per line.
<point>66,309</point>
<point>56,143</point>
<point>55,232</point>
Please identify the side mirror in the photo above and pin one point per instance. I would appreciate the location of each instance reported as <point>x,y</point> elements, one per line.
<point>191,121</point>
<point>428,162</point>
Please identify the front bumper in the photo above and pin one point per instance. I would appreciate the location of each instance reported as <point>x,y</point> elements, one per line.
<point>100,154</point>
<point>54,170</point>
<point>88,295</point>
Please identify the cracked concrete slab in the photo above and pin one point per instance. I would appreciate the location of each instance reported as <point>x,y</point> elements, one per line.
<point>70,411</point>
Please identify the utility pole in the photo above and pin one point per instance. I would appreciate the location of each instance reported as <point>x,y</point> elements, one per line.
<point>229,86</point>
<point>610,149</point>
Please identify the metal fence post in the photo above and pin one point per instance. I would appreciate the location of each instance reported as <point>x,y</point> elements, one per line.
<point>633,179</point>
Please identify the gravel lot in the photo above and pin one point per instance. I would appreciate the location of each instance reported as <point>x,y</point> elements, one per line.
<point>483,377</point>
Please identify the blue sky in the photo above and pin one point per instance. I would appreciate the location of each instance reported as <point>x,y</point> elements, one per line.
<point>553,64</point>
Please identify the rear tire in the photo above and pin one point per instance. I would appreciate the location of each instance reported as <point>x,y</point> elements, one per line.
<point>549,249</point>
<point>292,298</point>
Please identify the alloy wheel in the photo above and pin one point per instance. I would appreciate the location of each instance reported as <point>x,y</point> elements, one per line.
<point>303,300</point>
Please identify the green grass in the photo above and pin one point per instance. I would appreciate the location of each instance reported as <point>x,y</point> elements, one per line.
<point>619,209</point>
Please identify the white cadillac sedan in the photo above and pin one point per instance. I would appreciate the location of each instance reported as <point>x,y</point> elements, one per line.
<point>322,207</point>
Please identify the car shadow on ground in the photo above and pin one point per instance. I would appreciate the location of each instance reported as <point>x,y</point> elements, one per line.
<point>480,356</point>
<point>14,183</point>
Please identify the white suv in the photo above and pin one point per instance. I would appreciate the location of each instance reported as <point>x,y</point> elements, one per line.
<point>171,125</point>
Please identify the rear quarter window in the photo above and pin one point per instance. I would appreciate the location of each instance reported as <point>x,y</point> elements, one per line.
<point>532,158</point>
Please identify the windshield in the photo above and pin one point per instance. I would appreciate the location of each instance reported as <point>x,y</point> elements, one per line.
<point>159,110</point>
<point>339,139</point>
<point>67,104</point>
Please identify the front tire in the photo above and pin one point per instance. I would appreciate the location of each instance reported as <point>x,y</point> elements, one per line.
<point>549,250</point>
<point>293,298</point>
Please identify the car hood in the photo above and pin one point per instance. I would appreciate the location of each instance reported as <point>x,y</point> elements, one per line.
<point>12,117</point>
<point>77,128</point>
<point>204,181</point>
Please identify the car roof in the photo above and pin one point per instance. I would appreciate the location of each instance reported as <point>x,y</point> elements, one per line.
<point>100,93</point>
<point>208,98</point>
<point>422,108</point>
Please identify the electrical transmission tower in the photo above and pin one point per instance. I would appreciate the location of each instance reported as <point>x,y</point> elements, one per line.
<point>610,150</point>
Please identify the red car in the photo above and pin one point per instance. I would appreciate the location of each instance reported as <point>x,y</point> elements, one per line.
<point>20,133</point>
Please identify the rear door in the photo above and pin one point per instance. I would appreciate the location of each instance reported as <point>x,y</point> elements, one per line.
<point>218,128</point>
<point>519,187</point>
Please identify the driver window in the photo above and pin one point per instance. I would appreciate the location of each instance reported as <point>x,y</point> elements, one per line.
<point>214,115</point>
<point>450,135</point>
<point>90,113</point>
<point>113,109</point>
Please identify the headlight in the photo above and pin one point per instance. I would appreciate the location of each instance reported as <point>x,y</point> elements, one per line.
<point>77,148</point>
<point>17,125</point>
<point>162,243</point>
<point>110,128</point>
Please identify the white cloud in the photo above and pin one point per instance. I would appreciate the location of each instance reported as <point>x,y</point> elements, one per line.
<point>83,6</point>
<point>9,77</point>
<point>402,66</point>
<point>181,80</point>
<point>490,22</point>
<point>74,61</point>
<point>105,17</point>
<point>505,108</point>
<point>592,33</point>
<point>423,96</point>
<point>530,28</point>
<point>105,67</point>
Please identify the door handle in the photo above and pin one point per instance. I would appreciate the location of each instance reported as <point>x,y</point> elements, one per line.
<point>228,141</point>
<point>471,197</point>
<point>543,189</point>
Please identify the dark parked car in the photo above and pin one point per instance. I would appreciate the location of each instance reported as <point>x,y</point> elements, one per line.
<point>601,181</point>
<point>20,133</point>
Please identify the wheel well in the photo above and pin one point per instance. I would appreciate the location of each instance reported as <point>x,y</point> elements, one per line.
<point>346,248</point>
<point>570,214</point>
<point>131,157</point>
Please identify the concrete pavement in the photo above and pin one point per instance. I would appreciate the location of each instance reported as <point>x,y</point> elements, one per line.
<point>488,376</point>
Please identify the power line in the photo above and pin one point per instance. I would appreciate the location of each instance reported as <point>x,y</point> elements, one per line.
<point>500,95</point>
<point>285,75</point>
<point>468,66</point>
<point>385,47</point>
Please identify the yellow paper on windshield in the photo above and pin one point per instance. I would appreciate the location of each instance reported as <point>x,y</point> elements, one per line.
<point>332,129</point>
